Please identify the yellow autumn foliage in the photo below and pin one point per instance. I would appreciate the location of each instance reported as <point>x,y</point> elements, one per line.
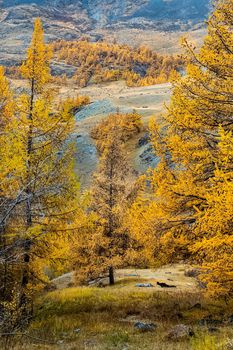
<point>188,213</point>
<point>103,62</point>
<point>38,190</point>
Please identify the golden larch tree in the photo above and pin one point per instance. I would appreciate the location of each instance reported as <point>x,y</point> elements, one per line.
<point>44,210</point>
<point>190,213</point>
<point>103,245</point>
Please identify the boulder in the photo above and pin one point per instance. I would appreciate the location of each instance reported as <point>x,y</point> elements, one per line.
<point>145,327</point>
<point>213,330</point>
<point>144,140</point>
<point>180,332</point>
<point>144,285</point>
<point>210,321</point>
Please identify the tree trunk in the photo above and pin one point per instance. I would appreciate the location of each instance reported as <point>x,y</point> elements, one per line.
<point>24,300</point>
<point>3,266</point>
<point>111,276</point>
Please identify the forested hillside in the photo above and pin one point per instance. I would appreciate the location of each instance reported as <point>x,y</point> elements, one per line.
<point>85,62</point>
<point>131,261</point>
<point>102,62</point>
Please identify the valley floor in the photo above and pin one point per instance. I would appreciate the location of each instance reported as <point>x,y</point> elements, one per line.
<point>92,318</point>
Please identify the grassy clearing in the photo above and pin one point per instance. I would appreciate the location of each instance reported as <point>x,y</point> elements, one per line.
<point>103,319</point>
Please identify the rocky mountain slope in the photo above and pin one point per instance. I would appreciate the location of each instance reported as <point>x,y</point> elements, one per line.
<point>71,19</point>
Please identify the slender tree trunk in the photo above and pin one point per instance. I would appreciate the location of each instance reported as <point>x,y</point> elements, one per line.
<point>4,264</point>
<point>110,223</point>
<point>24,301</point>
<point>111,202</point>
<point>111,276</point>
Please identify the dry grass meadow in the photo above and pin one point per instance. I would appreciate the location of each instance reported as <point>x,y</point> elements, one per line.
<point>92,318</point>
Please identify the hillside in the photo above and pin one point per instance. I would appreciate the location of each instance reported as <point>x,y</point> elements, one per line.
<point>110,12</point>
<point>71,19</point>
<point>107,99</point>
<point>88,62</point>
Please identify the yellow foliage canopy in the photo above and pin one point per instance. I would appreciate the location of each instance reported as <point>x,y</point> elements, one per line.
<point>102,62</point>
<point>191,210</point>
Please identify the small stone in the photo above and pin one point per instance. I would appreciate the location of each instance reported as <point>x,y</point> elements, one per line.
<point>209,321</point>
<point>145,327</point>
<point>196,306</point>
<point>179,332</point>
<point>213,330</point>
<point>77,330</point>
<point>144,285</point>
